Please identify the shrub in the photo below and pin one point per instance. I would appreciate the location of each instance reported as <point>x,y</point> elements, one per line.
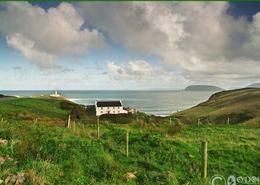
<point>66,105</point>
<point>118,118</point>
<point>78,113</point>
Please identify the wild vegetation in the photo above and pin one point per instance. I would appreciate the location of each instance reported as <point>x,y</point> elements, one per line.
<point>36,143</point>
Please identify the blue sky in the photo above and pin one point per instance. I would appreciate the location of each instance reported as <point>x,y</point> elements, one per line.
<point>48,45</point>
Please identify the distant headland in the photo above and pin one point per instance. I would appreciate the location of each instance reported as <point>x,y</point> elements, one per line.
<point>256,85</point>
<point>203,88</point>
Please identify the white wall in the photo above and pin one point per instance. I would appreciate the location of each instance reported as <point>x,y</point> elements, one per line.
<point>110,110</point>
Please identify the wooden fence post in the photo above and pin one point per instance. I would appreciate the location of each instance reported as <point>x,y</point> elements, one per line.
<point>204,163</point>
<point>198,121</point>
<point>68,122</point>
<point>228,120</point>
<point>98,134</point>
<point>126,143</point>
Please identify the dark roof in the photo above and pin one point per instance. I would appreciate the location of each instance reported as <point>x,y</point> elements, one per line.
<point>109,104</point>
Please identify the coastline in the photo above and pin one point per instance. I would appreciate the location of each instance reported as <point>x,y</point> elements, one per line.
<point>161,103</point>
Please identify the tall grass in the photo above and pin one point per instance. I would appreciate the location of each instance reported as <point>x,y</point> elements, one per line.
<point>54,155</point>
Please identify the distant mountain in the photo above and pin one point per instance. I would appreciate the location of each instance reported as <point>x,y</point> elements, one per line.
<point>255,85</point>
<point>203,88</point>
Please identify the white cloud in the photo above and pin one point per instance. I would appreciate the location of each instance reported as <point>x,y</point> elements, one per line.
<point>140,74</point>
<point>135,68</point>
<point>27,48</point>
<point>200,38</point>
<point>43,36</point>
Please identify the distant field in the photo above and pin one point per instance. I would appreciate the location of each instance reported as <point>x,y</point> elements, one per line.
<point>161,151</point>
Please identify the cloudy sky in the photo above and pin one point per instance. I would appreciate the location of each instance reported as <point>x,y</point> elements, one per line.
<point>130,45</point>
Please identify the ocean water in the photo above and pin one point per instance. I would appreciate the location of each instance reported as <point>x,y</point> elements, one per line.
<point>151,102</point>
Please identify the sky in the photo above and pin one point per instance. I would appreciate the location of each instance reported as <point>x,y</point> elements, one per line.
<point>128,45</point>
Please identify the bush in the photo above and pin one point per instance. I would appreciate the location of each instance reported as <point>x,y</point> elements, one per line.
<point>118,118</point>
<point>91,110</point>
<point>67,105</point>
<point>78,113</point>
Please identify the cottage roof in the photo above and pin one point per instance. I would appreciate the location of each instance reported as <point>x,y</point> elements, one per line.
<point>109,104</point>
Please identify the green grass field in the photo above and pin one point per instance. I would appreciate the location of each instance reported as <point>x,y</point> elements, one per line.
<point>159,152</point>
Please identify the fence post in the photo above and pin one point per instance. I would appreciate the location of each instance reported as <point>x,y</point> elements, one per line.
<point>228,120</point>
<point>204,163</point>
<point>126,143</point>
<point>68,122</point>
<point>198,121</point>
<point>35,121</point>
<point>98,134</point>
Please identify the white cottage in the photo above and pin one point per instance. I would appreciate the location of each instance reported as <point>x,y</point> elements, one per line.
<point>109,107</point>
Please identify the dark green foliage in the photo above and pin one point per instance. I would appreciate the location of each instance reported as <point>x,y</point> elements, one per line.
<point>84,114</point>
<point>4,97</point>
<point>78,113</point>
<point>5,134</point>
<point>118,118</point>
<point>234,117</point>
<point>66,105</point>
<point>91,110</point>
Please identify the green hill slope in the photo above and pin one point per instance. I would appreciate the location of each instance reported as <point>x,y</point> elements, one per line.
<point>239,106</point>
<point>29,109</point>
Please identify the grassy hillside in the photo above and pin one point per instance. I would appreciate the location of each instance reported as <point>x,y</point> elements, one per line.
<point>240,106</point>
<point>30,109</point>
<point>160,152</point>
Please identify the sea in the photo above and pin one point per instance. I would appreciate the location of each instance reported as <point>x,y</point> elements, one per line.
<point>156,102</point>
